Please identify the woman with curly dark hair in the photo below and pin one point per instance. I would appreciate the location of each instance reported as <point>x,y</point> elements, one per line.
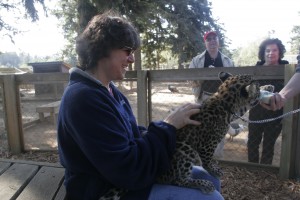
<point>271,52</point>
<point>100,143</point>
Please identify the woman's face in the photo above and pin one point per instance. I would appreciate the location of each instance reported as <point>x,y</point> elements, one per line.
<point>271,54</point>
<point>115,66</point>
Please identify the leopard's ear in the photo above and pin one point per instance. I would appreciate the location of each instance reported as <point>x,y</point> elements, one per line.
<point>224,75</point>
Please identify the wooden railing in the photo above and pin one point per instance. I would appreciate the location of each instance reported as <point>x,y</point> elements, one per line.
<point>291,133</point>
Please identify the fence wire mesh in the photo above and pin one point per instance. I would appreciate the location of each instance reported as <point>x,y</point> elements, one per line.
<point>39,133</point>
<point>39,108</point>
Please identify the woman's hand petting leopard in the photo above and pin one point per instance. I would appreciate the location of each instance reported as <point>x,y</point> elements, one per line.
<point>181,116</point>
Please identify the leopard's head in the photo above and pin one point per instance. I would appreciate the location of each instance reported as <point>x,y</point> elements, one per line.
<point>239,92</point>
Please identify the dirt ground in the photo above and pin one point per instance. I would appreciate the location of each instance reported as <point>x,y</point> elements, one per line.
<point>238,182</point>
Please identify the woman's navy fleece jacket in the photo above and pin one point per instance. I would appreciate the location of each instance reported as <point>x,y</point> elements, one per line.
<point>100,144</point>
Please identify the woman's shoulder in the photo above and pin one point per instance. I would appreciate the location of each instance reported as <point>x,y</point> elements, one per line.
<point>258,63</point>
<point>283,62</point>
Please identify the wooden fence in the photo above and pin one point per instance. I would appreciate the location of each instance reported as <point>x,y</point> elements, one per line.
<point>289,165</point>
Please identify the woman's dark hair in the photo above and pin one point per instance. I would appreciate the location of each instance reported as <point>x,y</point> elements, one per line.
<point>262,48</point>
<point>104,33</point>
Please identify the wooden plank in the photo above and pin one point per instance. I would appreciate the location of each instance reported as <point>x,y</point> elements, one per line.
<point>4,166</point>
<point>44,185</point>
<point>50,107</point>
<point>130,75</point>
<point>270,72</point>
<point>29,162</point>
<point>46,78</point>
<point>42,78</point>
<point>61,193</point>
<point>14,179</point>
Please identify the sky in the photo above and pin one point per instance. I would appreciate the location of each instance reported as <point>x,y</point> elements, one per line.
<point>248,20</point>
<point>42,38</point>
<point>244,21</point>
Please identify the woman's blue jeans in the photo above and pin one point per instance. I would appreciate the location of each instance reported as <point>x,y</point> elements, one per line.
<point>170,192</point>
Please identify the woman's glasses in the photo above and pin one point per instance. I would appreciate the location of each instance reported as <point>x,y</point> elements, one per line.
<point>129,50</point>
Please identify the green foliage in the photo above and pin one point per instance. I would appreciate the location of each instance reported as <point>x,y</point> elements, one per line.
<point>68,17</point>
<point>247,55</point>
<point>6,28</point>
<point>31,10</point>
<point>177,26</point>
<point>295,39</point>
<point>10,59</point>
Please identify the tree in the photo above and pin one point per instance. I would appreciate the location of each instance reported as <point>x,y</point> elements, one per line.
<point>247,55</point>
<point>295,40</point>
<point>189,20</point>
<point>165,25</point>
<point>69,18</point>
<point>10,59</point>
<point>7,28</point>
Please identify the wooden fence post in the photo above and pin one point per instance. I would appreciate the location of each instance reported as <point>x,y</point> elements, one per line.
<point>296,169</point>
<point>297,149</point>
<point>13,122</point>
<point>142,91</point>
<point>289,133</point>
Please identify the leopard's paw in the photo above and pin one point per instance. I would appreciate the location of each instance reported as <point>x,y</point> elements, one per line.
<point>207,187</point>
<point>216,171</point>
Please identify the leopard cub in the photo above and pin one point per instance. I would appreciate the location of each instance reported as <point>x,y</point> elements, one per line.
<point>195,145</point>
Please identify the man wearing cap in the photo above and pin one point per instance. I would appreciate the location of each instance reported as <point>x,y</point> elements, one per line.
<point>211,57</point>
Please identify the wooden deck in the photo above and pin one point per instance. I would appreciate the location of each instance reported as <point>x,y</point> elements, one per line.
<point>26,180</point>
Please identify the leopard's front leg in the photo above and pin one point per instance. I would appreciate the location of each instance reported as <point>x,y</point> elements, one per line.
<point>209,163</point>
<point>214,169</point>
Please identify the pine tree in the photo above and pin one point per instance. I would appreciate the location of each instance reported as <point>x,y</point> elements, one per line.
<point>175,26</point>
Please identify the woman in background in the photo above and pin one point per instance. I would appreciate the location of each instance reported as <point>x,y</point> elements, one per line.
<point>271,52</point>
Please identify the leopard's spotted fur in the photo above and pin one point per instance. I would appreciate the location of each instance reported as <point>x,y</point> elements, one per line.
<point>195,145</point>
